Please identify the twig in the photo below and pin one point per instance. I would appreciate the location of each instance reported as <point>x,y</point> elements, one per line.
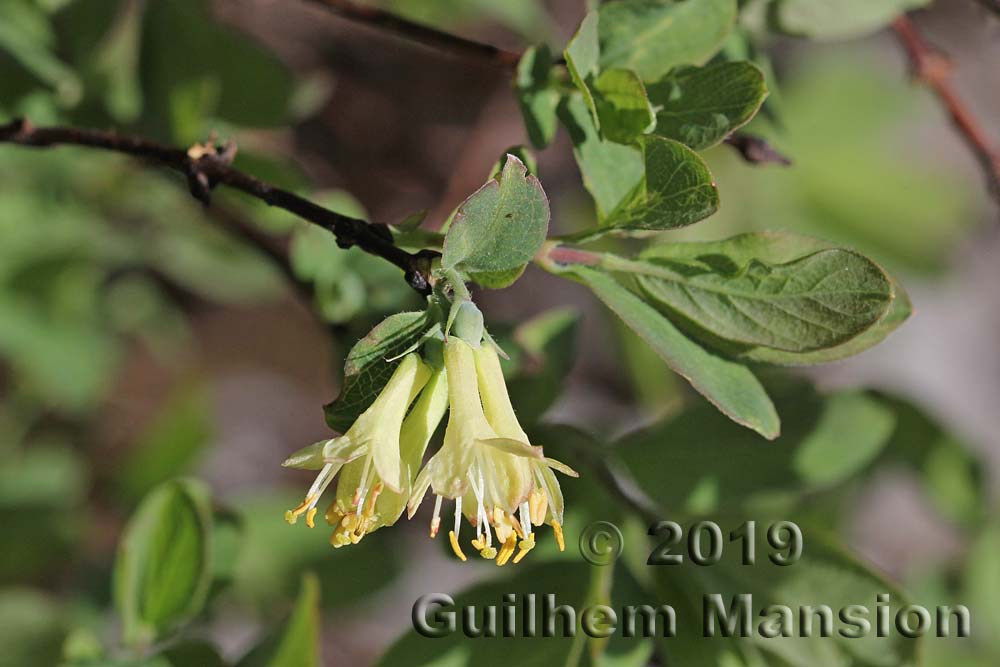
<point>992,5</point>
<point>623,488</point>
<point>421,34</point>
<point>756,150</point>
<point>934,70</point>
<point>208,166</point>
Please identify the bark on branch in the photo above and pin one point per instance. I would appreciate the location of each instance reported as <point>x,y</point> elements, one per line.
<point>934,70</point>
<point>422,34</point>
<point>208,166</point>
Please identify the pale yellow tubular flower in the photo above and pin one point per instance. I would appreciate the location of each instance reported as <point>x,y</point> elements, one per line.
<point>487,475</point>
<point>351,522</point>
<point>544,503</point>
<point>373,442</point>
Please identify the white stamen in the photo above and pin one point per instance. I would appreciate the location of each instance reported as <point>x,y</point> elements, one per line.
<point>362,488</point>
<point>486,527</point>
<point>323,480</point>
<point>482,507</point>
<point>436,519</point>
<point>437,507</point>
<point>525,519</point>
<point>546,490</point>
<point>481,517</point>
<point>458,514</point>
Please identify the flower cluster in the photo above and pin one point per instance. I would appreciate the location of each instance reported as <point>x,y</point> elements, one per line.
<point>502,484</point>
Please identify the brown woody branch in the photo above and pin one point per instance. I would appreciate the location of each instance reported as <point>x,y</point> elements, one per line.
<point>755,150</point>
<point>934,70</point>
<point>930,66</point>
<point>992,5</point>
<point>421,34</point>
<point>206,167</point>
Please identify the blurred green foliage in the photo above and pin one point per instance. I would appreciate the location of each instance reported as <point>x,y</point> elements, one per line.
<point>99,258</point>
<point>857,174</point>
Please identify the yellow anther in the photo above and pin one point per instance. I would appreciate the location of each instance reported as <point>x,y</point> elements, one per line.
<point>361,529</point>
<point>454,545</point>
<point>292,515</point>
<point>349,524</point>
<point>526,546</point>
<point>538,504</point>
<point>311,517</point>
<point>502,524</point>
<point>507,550</point>
<point>486,551</point>
<point>557,529</point>
<point>331,514</point>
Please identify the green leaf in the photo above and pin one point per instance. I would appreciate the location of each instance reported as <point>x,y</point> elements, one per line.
<point>743,46</point>
<point>26,36</point>
<point>501,226</point>
<point>615,97</point>
<point>653,36</point>
<point>296,644</point>
<point>32,627</point>
<point>525,18</point>
<point>700,463</point>
<point>582,55</point>
<point>811,303</point>
<point>497,279</point>
<point>700,106</point>
<point>537,94</point>
<point>170,444</point>
<point>781,248</point>
<point>677,190</point>
<point>228,540</point>
<point>116,62</point>
<point>730,386</point>
<point>43,491</point>
<point>610,171</point>
<point>193,652</point>
<point>162,571</point>
<point>233,77</point>
<point>838,19</point>
<point>346,282</point>
<point>42,475</point>
<point>523,154</point>
<point>982,586</point>
<point>899,311</point>
<point>845,186</point>
<point>45,351</point>
<point>366,370</point>
<point>953,476</point>
<point>623,110</point>
<point>274,555</point>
